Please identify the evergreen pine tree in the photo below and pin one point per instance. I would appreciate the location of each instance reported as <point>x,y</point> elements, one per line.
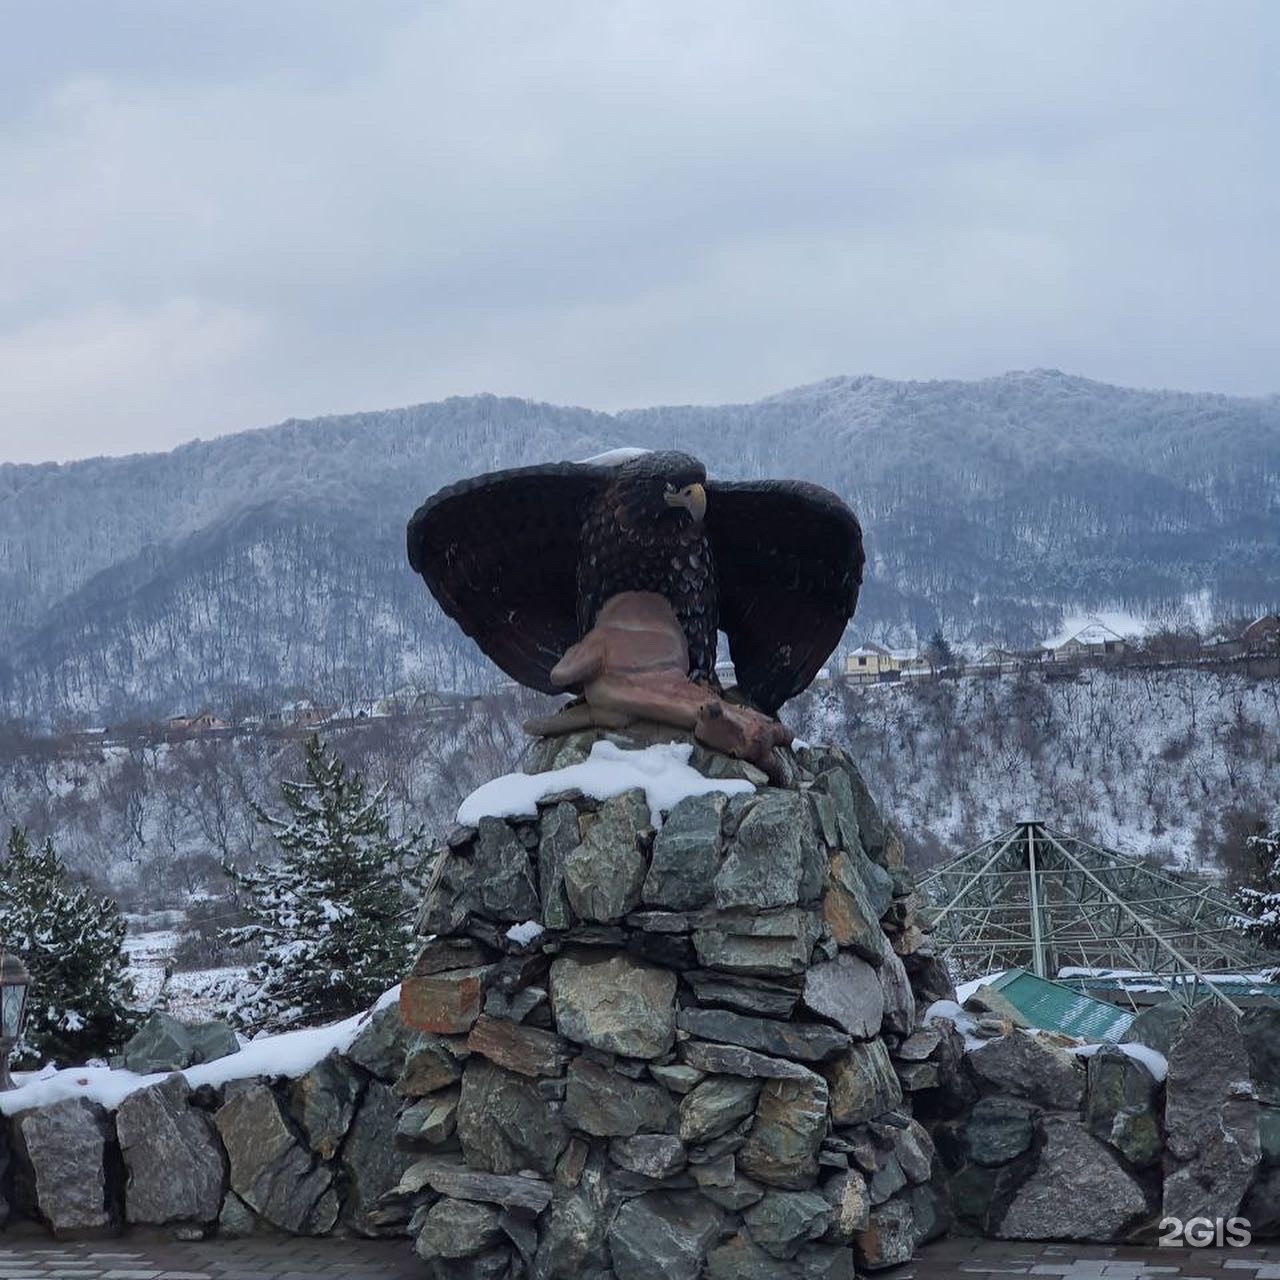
<point>938,652</point>
<point>1260,901</point>
<point>71,942</point>
<point>330,920</point>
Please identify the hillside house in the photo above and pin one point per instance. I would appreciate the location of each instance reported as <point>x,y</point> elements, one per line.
<point>1097,640</point>
<point>302,714</point>
<point>1262,633</point>
<point>203,721</point>
<point>999,661</point>
<point>1222,650</point>
<point>873,662</point>
<point>410,700</point>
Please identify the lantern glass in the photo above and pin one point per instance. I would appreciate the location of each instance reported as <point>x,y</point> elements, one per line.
<point>14,981</point>
<point>13,1001</point>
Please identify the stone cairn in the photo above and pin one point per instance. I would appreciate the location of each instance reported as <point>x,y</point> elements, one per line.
<point>701,1065</point>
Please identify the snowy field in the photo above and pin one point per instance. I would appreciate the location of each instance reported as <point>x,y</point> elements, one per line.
<point>192,996</point>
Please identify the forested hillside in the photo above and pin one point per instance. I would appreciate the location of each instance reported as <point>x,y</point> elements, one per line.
<point>1165,763</point>
<point>236,571</point>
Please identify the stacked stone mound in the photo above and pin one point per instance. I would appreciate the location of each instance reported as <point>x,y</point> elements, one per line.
<point>697,1066</point>
<point>1039,1143</point>
<point>307,1156</point>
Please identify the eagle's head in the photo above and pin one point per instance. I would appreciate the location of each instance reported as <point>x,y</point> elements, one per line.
<point>662,487</point>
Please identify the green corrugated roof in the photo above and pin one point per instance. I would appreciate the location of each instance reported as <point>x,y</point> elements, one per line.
<point>1054,1007</point>
<point>1235,988</point>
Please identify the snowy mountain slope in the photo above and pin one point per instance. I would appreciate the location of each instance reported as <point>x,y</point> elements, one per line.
<point>1154,762</point>
<point>239,568</point>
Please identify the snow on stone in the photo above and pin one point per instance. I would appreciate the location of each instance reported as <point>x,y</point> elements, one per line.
<point>1152,1059</point>
<point>523,934</point>
<point>613,457</point>
<point>662,771</point>
<point>965,1023</point>
<point>291,1053</point>
<point>965,989</point>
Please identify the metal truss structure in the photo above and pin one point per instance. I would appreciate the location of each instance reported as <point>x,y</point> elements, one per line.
<point>1040,900</point>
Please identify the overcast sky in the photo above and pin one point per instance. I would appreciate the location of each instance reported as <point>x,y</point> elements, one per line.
<point>214,215</point>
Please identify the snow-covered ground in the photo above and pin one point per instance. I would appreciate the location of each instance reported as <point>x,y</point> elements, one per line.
<point>195,995</point>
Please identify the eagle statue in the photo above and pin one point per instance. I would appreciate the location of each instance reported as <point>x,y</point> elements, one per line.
<point>524,561</point>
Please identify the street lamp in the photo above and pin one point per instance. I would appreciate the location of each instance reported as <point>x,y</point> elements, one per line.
<point>14,981</point>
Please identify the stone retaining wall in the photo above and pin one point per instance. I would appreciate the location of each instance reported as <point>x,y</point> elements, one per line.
<point>1038,1143</point>
<point>307,1156</point>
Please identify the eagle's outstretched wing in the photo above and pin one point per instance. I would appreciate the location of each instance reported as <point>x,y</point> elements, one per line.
<point>788,561</point>
<point>500,554</point>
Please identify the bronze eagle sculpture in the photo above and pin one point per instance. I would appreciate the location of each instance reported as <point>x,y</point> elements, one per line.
<point>524,560</point>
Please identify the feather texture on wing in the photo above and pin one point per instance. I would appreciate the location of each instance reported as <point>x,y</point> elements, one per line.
<point>500,554</point>
<point>789,565</point>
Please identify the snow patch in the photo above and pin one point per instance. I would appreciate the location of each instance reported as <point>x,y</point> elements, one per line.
<point>965,989</point>
<point>613,457</point>
<point>291,1053</point>
<point>965,1023</point>
<point>662,771</point>
<point>523,934</point>
<point>1152,1059</point>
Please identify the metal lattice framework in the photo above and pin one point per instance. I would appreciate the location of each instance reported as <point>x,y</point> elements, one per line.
<point>1041,900</point>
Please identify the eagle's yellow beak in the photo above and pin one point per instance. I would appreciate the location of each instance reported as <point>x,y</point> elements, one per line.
<point>693,498</point>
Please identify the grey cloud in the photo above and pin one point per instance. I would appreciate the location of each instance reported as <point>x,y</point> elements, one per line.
<point>213,216</point>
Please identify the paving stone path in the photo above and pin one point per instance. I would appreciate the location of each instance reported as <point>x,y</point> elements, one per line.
<point>287,1259</point>
<point>962,1258</point>
<point>264,1259</point>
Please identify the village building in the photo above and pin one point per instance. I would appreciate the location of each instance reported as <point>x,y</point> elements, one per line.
<point>204,721</point>
<point>871,662</point>
<point>1096,640</point>
<point>997,661</point>
<point>299,714</point>
<point>1262,633</point>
